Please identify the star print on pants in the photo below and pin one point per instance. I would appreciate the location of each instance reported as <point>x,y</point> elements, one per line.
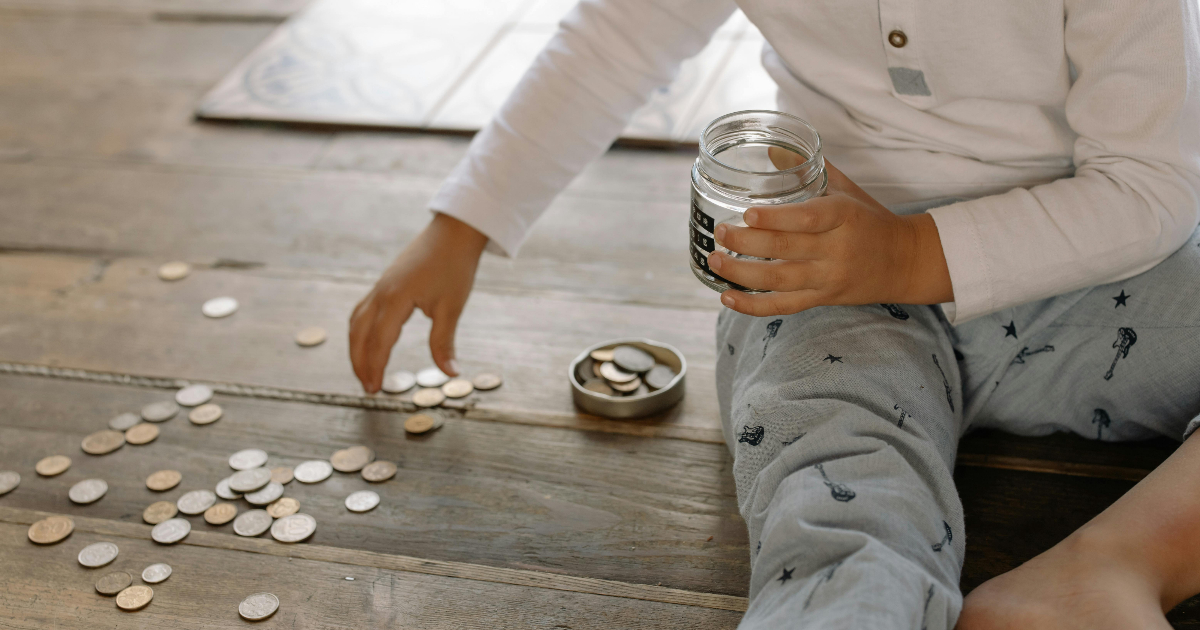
<point>1121,299</point>
<point>832,359</point>
<point>1010,329</point>
<point>787,575</point>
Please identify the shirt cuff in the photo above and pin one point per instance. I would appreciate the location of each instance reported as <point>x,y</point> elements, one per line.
<point>970,276</point>
<point>504,229</point>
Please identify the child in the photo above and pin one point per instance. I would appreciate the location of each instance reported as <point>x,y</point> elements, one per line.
<point>1010,245</point>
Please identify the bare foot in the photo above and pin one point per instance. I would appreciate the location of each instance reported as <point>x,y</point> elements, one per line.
<point>1070,586</point>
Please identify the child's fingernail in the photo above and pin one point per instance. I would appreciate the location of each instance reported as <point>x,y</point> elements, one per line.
<point>727,300</point>
<point>751,217</point>
<point>714,262</point>
<point>720,233</point>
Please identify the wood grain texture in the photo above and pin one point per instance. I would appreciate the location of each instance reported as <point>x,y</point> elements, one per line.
<point>46,587</point>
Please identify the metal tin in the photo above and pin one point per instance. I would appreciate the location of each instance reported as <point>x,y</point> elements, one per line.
<point>623,408</point>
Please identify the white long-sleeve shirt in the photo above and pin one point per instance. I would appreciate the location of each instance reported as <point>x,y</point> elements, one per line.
<point>1071,126</point>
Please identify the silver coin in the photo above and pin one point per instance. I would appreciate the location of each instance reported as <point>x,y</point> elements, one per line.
<point>632,359</point>
<point>156,573</point>
<point>98,554</point>
<point>225,492</point>
<point>219,307</point>
<point>88,491</point>
<point>398,382</point>
<point>614,374</point>
<point>171,531</point>
<point>247,459</point>
<point>294,528</point>
<point>194,395</point>
<point>250,480</point>
<point>313,471</point>
<point>659,377</point>
<point>252,523</point>
<point>160,411</point>
<point>431,377</point>
<point>362,501</point>
<point>258,606</point>
<point>9,480</point>
<point>123,421</point>
<point>268,494</point>
<point>196,501</point>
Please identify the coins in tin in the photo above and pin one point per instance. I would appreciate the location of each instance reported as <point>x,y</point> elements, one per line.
<point>311,336</point>
<point>159,511</point>
<point>294,528</point>
<point>659,377</point>
<point>250,480</point>
<point>252,523</point>
<point>225,492</point>
<point>598,386</point>
<point>399,382</point>
<point>156,573</point>
<point>219,307</point>
<point>160,411</point>
<point>486,381</point>
<point>9,480</point>
<point>171,531</point>
<point>140,434</point>
<point>103,442</point>
<point>428,397</point>
<point>266,495</point>
<point>164,480</point>
<point>313,471</point>
<point>362,501</point>
<point>98,554</point>
<point>247,459</point>
<point>220,513</point>
<point>135,597</point>
<point>124,421</point>
<point>258,606</point>
<point>602,355</point>
<point>431,377</point>
<point>632,359</point>
<point>196,501</point>
<point>194,395</point>
<point>174,270</point>
<point>113,583</point>
<point>285,506</point>
<point>205,414</point>
<point>614,374</point>
<point>626,388</point>
<point>458,388</point>
<point>352,459</point>
<point>87,491</point>
<point>51,529</point>
<point>378,471</point>
<point>282,474</point>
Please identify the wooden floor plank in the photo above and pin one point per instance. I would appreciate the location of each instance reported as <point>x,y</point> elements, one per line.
<point>228,10</point>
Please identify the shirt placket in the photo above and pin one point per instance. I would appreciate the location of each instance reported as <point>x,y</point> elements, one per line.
<point>901,46</point>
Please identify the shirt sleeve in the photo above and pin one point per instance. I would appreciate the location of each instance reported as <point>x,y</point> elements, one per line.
<point>1135,195</point>
<point>606,59</point>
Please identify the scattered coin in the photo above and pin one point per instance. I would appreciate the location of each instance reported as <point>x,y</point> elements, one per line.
<point>428,397</point>
<point>252,523</point>
<point>194,395</point>
<point>399,382</point>
<point>159,511</point>
<point>268,494</point>
<point>103,442</point>
<point>123,421</point>
<point>362,501</point>
<point>250,480</point>
<point>431,377</point>
<point>294,528</point>
<point>313,471</point>
<point>174,270</point>
<point>626,388</point>
<point>217,308</point>
<point>196,501</point>
<point>135,597</point>
<point>51,466</point>
<point>458,388</point>
<point>98,554</point>
<point>220,513</point>
<point>659,377</point>
<point>171,531</point>
<point>113,583</point>
<point>632,359</point>
<point>603,355</point>
<point>88,491</point>
<point>419,423</point>
<point>51,529</point>
<point>352,459</point>
<point>486,381</point>
<point>9,480</point>
<point>614,374</point>
<point>378,470</point>
<point>282,475</point>
<point>164,480</point>
<point>258,606</point>
<point>598,386</point>
<point>143,433</point>
<point>156,573</point>
<point>311,336</point>
<point>225,492</point>
<point>160,411</point>
<point>205,414</point>
<point>247,459</point>
<point>285,506</point>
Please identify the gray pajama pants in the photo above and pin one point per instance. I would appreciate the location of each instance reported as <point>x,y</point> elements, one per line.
<point>844,422</point>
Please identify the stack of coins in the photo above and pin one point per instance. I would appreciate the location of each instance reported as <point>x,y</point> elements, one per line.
<point>623,372</point>
<point>434,388</point>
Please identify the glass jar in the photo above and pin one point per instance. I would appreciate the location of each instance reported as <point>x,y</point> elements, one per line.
<point>749,158</point>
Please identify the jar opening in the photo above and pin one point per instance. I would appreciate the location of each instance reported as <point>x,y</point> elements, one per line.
<point>761,142</point>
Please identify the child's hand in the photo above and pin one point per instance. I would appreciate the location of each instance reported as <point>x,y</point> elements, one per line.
<point>841,248</point>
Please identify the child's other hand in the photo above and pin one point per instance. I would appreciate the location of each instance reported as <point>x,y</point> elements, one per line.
<point>841,248</point>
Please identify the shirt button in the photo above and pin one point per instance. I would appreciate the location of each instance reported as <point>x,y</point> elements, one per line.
<point>897,39</point>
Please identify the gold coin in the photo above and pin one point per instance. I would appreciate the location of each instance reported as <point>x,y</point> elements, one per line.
<point>220,513</point>
<point>175,270</point>
<point>458,388</point>
<point>285,506</point>
<point>282,475</point>
<point>428,397</point>
<point>164,480</point>
<point>598,386</point>
<point>160,511</point>
<point>603,355</point>
<point>53,465</point>
<point>311,336</point>
<point>205,414</point>
<point>51,529</point>
<point>625,388</point>
<point>419,423</point>
<point>103,442</point>
<point>486,381</point>
<point>352,459</point>
<point>143,433</point>
<point>135,597</point>
<point>378,471</point>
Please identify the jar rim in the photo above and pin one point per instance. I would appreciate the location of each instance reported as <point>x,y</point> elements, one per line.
<point>816,154</point>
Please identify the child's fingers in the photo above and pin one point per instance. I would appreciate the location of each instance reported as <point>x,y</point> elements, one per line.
<point>819,214</point>
<point>767,304</point>
<point>770,243</point>
<point>773,275</point>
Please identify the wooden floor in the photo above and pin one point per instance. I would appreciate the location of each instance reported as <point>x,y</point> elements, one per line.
<point>520,512</point>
